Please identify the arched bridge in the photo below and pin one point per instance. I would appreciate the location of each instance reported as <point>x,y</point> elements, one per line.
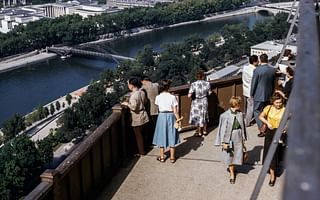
<point>69,50</point>
<point>274,10</point>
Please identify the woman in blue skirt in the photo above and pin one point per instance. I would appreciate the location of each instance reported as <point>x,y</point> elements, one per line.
<point>165,133</point>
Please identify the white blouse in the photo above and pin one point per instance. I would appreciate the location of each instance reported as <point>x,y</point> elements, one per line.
<point>166,101</point>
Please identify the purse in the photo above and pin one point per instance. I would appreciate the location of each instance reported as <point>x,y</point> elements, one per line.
<point>264,126</point>
<point>245,156</point>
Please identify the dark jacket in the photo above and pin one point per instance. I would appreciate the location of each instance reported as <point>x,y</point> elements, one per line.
<point>263,82</point>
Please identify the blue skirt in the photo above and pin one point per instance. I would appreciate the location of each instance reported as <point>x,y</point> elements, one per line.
<point>165,134</point>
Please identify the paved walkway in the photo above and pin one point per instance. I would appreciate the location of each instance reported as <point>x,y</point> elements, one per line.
<point>197,174</point>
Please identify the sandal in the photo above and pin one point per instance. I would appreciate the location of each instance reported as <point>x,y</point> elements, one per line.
<point>162,160</point>
<point>196,134</point>
<point>172,160</point>
<point>205,133</point>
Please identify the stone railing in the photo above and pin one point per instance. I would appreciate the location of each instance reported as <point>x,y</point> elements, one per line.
<point>82,174</point>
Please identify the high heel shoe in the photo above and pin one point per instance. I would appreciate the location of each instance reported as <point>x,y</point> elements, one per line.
<point>271,183</point>
<point>233,180</point>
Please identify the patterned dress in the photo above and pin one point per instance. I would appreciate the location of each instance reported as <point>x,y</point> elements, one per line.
<point>199,105</point>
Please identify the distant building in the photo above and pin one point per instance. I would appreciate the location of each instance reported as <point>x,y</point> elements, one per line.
<point>230,70</point>
<point>10,3</point>
<point>54,10</point>
<point>271,48</point>
<point>11,17</point>
<point>135,3</point>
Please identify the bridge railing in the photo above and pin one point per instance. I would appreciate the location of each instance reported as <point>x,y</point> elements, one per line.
<point>99,156</point>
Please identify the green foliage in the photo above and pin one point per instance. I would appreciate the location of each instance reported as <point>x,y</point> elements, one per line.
<point>145,57</point>
<point>45,148</point>
<point>13,126</point>
<point>52,109</point>
<point>19,161</point>
<point>107,77</point>
<point>58,105</point>
<point>72,29</point>
<point>68,99</point>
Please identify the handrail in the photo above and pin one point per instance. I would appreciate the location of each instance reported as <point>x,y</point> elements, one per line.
<point>303,167</point>
<point>302,176</point>
<point>53,181</point>
<point>82,170</point>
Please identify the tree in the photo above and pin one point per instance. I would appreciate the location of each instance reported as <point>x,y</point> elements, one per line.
<point>19,161</point>
<point>40,112</point>
<point>63,105</point>
<point>13,126</point>
<point>145,57</point>
<point>107,77</point>
<point>46,111</point>
<point>52,109</point>
<point>58,106</point>
<point>68,99</point>
<point>45,149</point>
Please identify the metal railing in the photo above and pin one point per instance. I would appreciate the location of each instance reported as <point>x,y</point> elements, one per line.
<point>302,179</point>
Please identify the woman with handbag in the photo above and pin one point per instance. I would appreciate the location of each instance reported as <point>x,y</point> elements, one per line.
<point>231,136</point>
<point>198,92</point>
<point>271,116</point>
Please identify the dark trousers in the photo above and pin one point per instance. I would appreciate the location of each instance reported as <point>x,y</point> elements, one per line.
<point>139,138</point>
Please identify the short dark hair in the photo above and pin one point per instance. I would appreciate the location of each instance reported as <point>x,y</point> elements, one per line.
<point>135,82</point>
<point>146,78</point>
<point>264,58</point>
<point>290,71</point>
<point>200,75</point>
<point>253,59</point>
<point>276,96</point>
<point>164,85</point>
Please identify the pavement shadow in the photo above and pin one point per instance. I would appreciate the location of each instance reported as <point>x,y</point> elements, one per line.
<point>190,143</point>
<point>107,191</point>
<point>255,155</point>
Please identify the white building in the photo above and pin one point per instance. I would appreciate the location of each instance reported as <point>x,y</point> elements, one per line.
<point>135,3</point>
<point>9,3</point>
<point>271,48</point>
<point>11,17</point>
<point>54,10</point>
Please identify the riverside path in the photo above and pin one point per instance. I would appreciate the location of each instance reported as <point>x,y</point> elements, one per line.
<point>197,174</point>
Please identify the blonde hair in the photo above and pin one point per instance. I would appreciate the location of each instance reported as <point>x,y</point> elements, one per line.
<point>235,101</point>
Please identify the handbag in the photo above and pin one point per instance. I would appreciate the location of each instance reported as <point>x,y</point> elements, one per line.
<point>264,126</point>
<point>245,156</point>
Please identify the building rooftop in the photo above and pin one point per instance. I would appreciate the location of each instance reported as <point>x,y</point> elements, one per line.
<point>224,72</point>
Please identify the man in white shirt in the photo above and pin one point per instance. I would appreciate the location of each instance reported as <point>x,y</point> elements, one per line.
<point>247,74</point>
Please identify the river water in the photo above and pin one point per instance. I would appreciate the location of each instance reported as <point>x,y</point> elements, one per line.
<point>38,84</point>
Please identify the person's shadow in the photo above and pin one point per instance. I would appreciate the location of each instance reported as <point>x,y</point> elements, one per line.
<point>190,143</point>
<point>254,158</point>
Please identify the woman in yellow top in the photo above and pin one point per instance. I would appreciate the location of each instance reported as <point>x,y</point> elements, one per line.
<point>271,116</point>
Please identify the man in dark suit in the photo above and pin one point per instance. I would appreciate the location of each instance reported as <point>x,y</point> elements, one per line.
<point>262,87</point>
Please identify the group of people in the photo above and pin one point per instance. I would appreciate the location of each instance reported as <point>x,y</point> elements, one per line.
<point>264,99</point>
<point>265,90</point>
<point>152,103</point>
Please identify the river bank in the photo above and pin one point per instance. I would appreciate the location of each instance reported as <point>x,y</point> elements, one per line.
<point>24,60</point>
<point>209,17</point>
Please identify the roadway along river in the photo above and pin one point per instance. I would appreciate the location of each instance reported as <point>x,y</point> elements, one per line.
<point>24,89</point>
